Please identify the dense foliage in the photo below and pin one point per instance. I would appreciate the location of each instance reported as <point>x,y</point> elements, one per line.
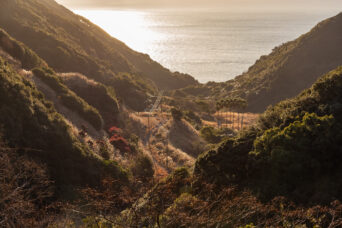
<point>29,121</point>
<point>19,51</point>
<point>211,134</point>
<point>69,98</point>
<point>95,94</point>
<point>295,151</point>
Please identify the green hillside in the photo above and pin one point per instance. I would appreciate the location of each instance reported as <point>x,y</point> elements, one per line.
<point>71,43</point>
<point>286,71</point>
<point>294,151</point>
<point>30,124</point>
<point>20,52</point>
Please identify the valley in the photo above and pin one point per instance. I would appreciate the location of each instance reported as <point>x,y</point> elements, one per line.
<point>95,134</point>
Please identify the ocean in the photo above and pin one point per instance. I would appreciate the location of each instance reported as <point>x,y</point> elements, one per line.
<point>212,45</point>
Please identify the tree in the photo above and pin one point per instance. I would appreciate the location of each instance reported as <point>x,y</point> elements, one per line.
<point>243,106</point>
<point>211,134</point>
<point>226,105</point>
<point>236,104</point>
<point>219,106</point>
<point>143,167</point>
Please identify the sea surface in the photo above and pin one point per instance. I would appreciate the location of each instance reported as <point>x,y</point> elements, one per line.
<point>211,45</point>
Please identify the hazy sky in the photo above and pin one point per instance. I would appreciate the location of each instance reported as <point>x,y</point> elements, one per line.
<point>335,5</point>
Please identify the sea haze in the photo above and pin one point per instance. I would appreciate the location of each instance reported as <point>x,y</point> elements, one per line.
<point>210,45</point>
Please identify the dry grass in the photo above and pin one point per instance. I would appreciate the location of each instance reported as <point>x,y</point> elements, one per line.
<point>183,136</point>
<point>225,118</point>
<point>165,155</point>
<point>77,79</point>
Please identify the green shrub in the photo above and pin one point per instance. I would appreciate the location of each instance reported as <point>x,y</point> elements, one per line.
<point>143,167</point>
<point>211,135</point>
<point>132,89</point>
<point>69,98</point>
<point>99,96</point>
<point>299,154</point>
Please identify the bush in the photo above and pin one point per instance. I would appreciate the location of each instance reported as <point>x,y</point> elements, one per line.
<point>176,114</point>
<point>294,151</point>
<point>95,94</point>
<point>133,90</point>
<point>211,135</point>
<point>69,98</point>
<point>298,149</point>
<point>143,167</point>
<point>120,143</point>
<point>104,151</point>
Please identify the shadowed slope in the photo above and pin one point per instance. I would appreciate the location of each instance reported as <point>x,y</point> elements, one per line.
<point>71,43</point>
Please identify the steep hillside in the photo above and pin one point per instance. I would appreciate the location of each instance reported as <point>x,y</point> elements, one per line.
<point>27,58</point>
<point>285,72</point>
<point>71,43</point>
<point>73,95</point>
<point>96,94</point>
<point>30,124</point>
<point>182,135</point>
<point>295,150</point>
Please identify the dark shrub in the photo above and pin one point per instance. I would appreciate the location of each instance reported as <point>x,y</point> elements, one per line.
<point>176,114</point>
<point>143,167</point>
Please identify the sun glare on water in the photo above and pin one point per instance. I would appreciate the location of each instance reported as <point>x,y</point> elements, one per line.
<point>212,45</point>
<point>132,27</point>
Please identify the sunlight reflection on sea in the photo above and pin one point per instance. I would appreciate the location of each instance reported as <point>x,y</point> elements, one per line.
<point>211,46</point>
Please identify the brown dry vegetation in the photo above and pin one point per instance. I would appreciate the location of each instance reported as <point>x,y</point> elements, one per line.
<point>182,135</point>
<point>159,141</point>
<point>249,119</point>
